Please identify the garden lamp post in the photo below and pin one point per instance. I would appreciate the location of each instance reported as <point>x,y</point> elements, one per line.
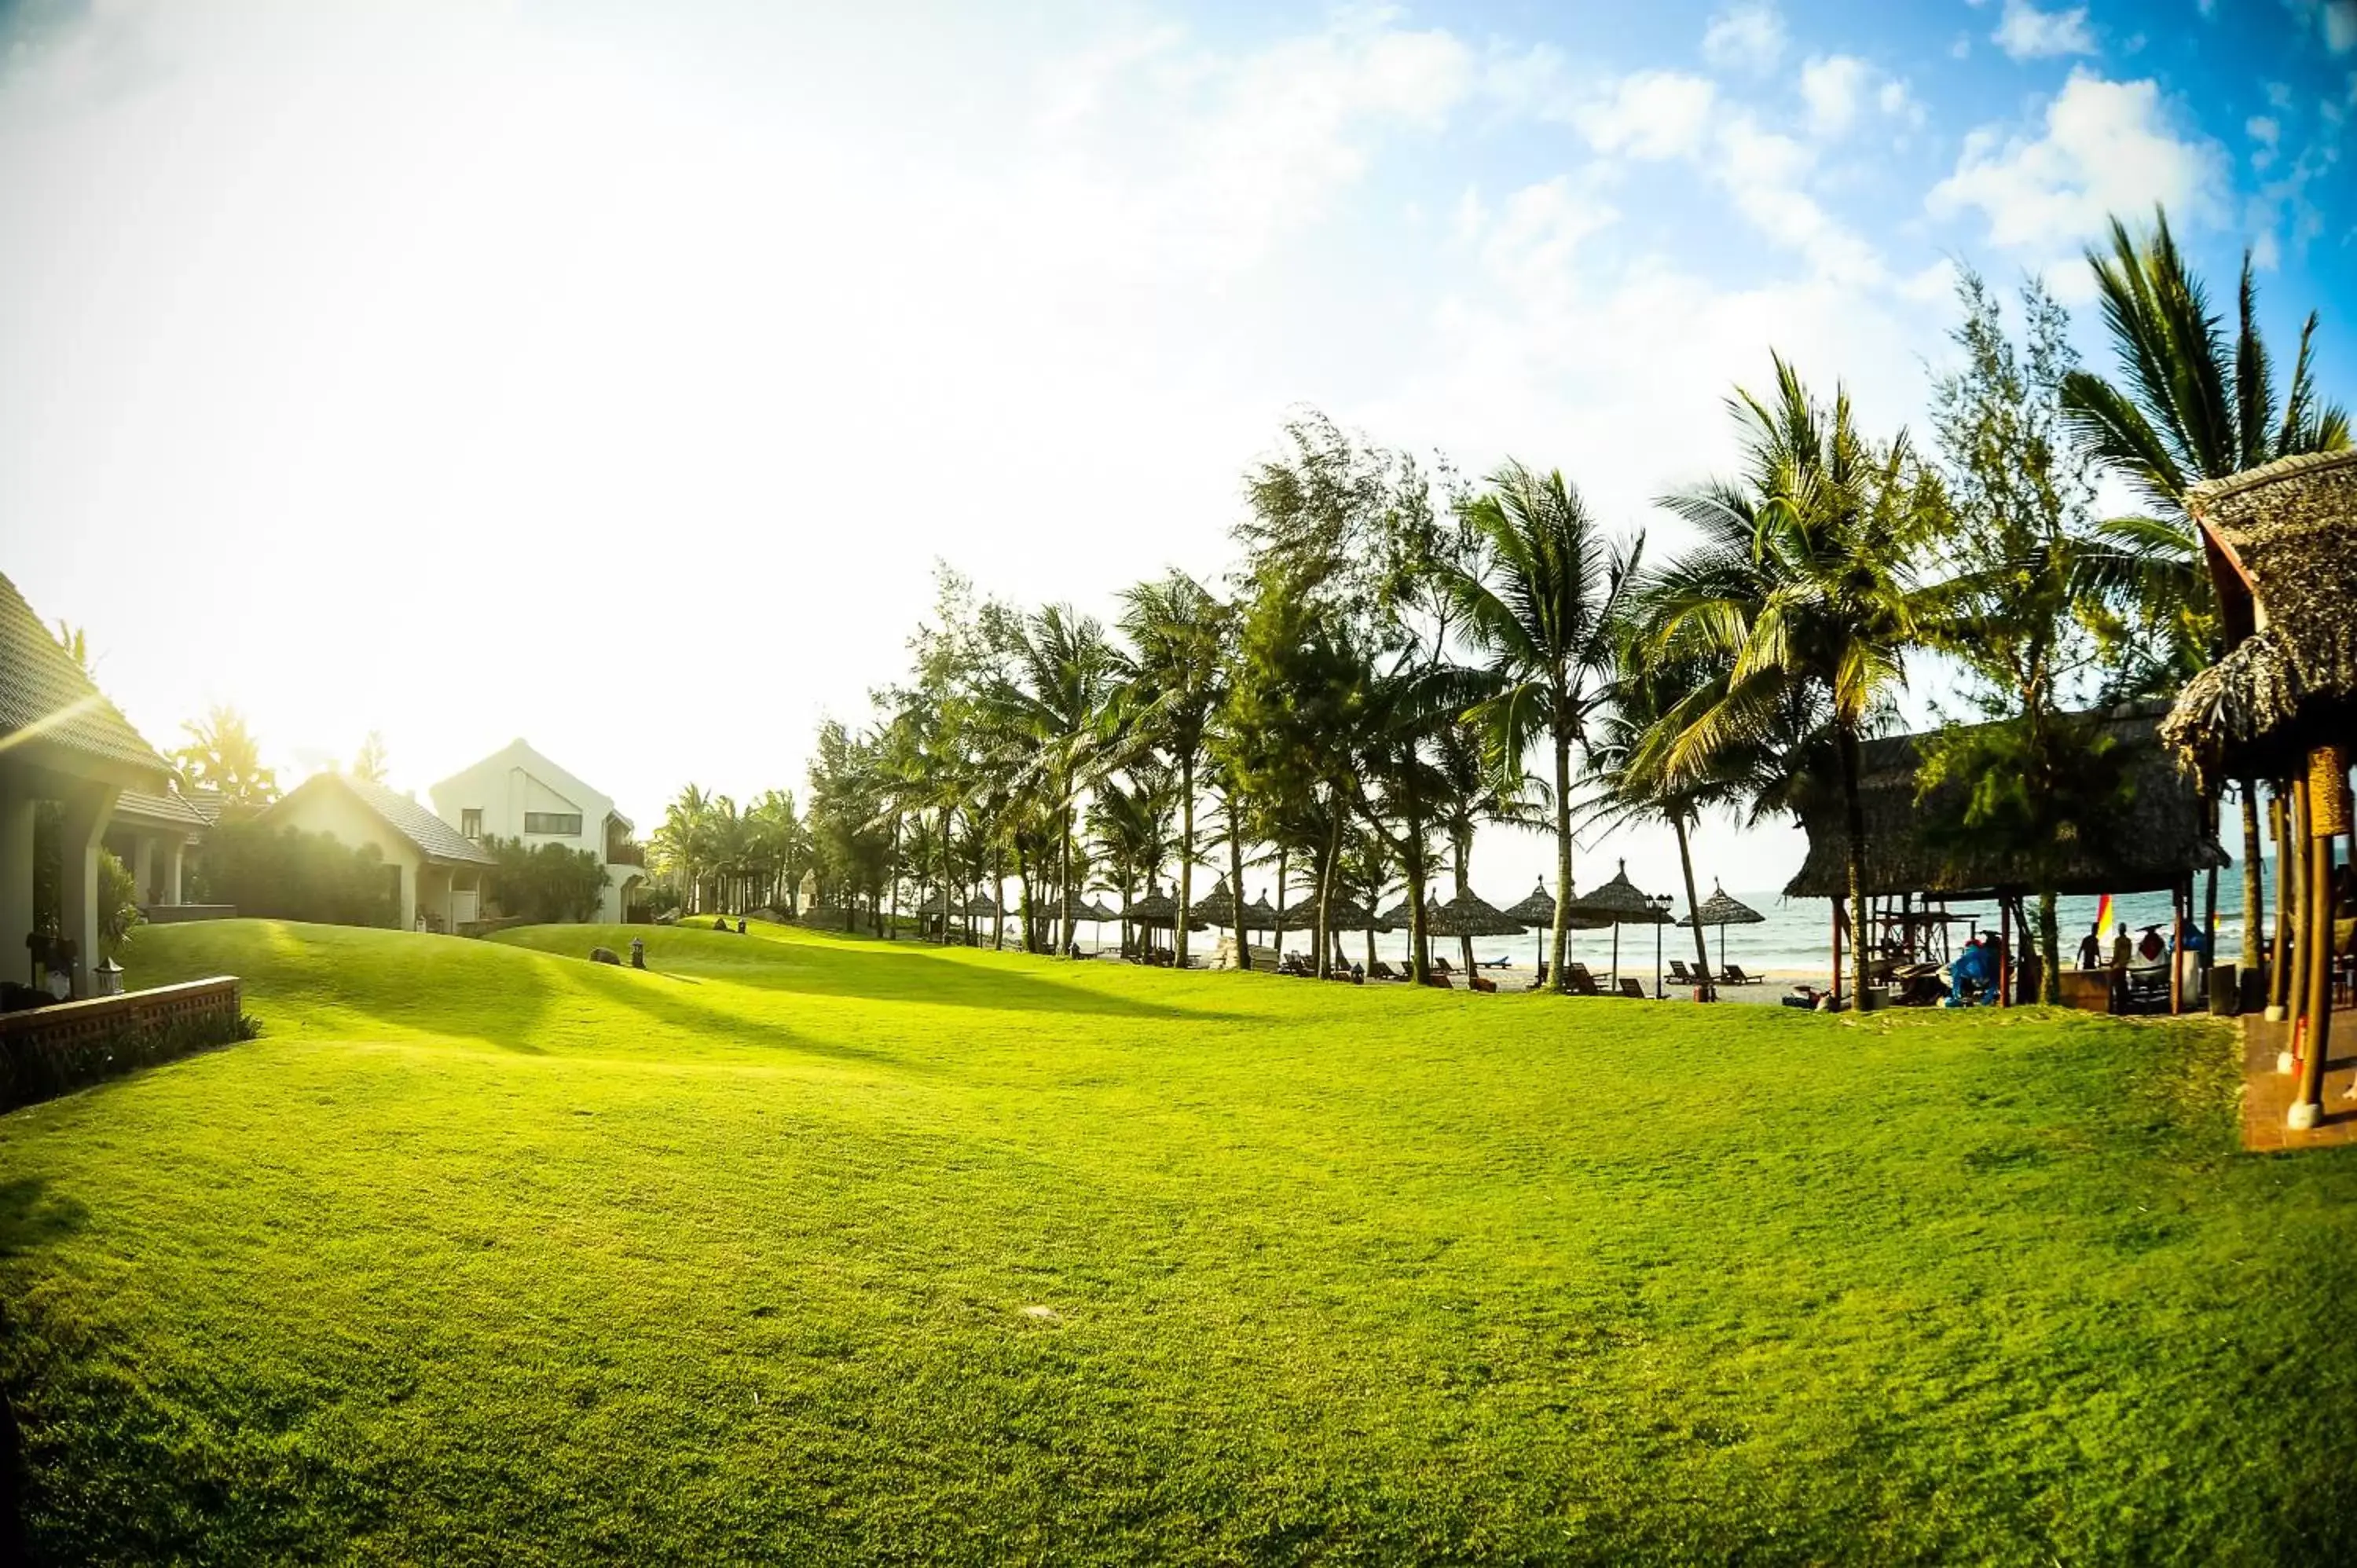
<point>1659,901</point>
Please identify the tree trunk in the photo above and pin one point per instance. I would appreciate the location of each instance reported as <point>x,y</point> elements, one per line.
<point>1413,867</point>
<point>2050,951</point>
<point>1023,881</point>
<point>1460,849</point>
<point>1064,878</point>
<point>1326,892</point>
<point>1853,820</point>
<point>1236,879</point>
<point>1702,951</point>
<point>1559,977</point>
<point>1186,856</point>
<point>1281,854</point>
<point>997,896</point>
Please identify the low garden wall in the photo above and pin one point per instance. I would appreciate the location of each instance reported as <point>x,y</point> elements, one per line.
<point>179,914</point>
<point>48,1051</point>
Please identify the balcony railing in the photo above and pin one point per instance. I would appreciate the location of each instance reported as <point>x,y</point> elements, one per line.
<point>627,854</point>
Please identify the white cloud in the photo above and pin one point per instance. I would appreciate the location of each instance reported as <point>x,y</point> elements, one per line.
<point>2025,32</point>
<point>1837,88</point>
<point>2263,130</point>
<point>2104,148</point>
<point>1650,114</point>
<point>2340,26</point>
<point>1834,86</point>
<point>1748,37</point>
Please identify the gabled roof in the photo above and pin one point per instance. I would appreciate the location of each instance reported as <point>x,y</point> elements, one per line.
<point>520,753</point>
<point>169,810</point>
<point>43,692</point>
<point>428,834</point>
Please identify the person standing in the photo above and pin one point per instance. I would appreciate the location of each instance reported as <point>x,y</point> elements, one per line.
<point>2123,954</point>
<point>2091,947</point>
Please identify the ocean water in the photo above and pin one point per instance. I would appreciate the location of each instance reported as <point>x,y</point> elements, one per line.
<point>1797,933</point>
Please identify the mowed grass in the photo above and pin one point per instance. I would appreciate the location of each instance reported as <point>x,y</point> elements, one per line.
<point>803,1248</point>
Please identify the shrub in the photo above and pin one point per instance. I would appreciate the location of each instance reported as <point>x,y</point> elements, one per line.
<point>34,1071</point>
<point>547,883</point>
<point>290,875</point>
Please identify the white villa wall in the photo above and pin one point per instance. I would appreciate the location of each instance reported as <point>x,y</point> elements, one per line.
<point>332,809</point>
<point>515,781</point>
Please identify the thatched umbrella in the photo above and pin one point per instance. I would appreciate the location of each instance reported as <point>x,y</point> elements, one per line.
<point>1468,916</point>
<point>1259,914</point>
<point>1538,910</point>
<point>1722,911</point>
<point>1343,915</point>
<point>1620,901</point>
<point>1217,907</point>
<point>1159,911</point>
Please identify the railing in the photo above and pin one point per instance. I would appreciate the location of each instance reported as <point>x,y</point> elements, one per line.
<point>627,854</point>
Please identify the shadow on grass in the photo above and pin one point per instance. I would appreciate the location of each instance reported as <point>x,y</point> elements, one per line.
<point>899,973</point>
<point>27,1223</point>
<point>651,996</point>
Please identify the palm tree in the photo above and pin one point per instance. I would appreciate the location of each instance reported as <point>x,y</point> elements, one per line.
<point>2187,410</point>
<point>223,755</point>
<point>1178,679</point>
<point>1542,602</point>
<point>1653,695</point>
<point>1801,583</point>
<point>1056,696</point>
<point>1130,826</point>
<point>2191,409</point>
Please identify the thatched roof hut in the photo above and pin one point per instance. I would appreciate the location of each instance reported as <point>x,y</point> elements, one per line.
<point>1467,915</point>
<point>2161,840</point>
<point>2281,541</point>
<point>1620,902</point>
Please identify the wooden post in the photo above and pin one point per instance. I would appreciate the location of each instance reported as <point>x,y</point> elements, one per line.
<point>2296,1006</point>
<point>2287,882</point>
<point>2004,950</point>
<point>1837,947</point>
<point>2178,897</point>
<point>2328,814</point>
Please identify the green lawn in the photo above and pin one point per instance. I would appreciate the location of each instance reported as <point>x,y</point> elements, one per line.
<point>810,1248</point>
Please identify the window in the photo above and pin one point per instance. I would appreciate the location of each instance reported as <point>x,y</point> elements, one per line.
<point>470,821</point>
<point>565,823</point>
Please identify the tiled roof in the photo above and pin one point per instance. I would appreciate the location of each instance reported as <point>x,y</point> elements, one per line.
<point>434,839</point>
<point>167,809</point>
<point>42,688</point>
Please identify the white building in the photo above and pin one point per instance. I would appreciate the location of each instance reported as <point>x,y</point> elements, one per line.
<point>517,793</point>
<point>435,876</point>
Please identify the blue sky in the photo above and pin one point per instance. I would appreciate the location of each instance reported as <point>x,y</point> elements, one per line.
<point>444,369</point>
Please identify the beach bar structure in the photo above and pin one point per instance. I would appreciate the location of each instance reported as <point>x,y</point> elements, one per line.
<point>2162,836</point>
<point>2281,708</point>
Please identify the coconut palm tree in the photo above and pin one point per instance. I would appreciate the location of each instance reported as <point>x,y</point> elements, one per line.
<point>1055,696</point>
<point>1654,693</point>
<point>2187,408</point>
<point>223,755</point>
<point>1176,681</point>
<point>1542,599</point>
<point>1801,583</point>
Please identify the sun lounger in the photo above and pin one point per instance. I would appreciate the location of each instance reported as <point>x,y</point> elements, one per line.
<point>1480,983</point>
<point>1441,965</point>
<point>1678,972</point>
<point>1438,979</point>
<point>1383,971</point>
<point>1634,990</point>
<point>1583,983</point>
<point>1733,975</point>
